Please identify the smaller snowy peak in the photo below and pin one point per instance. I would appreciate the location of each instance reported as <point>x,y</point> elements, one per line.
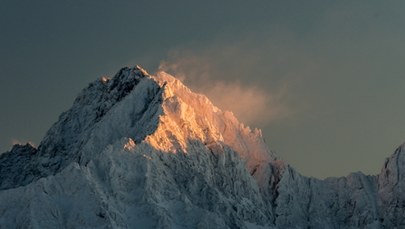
<point>15,163</point>
<point>393,171</point>
<point>391,187</point>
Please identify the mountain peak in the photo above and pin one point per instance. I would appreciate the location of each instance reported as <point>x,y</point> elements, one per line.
<point>144,150</point>
<point>159,110</point>
<point>192,116</point>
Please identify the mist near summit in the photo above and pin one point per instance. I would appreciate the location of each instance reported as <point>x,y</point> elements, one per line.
<point>248,100</point>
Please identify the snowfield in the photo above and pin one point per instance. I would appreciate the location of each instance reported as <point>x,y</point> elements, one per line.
<point>143,151</point>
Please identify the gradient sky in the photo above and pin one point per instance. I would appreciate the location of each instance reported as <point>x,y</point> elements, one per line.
<point>324,80</point>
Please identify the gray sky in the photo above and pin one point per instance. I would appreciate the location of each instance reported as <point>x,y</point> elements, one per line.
<point>322,79</point>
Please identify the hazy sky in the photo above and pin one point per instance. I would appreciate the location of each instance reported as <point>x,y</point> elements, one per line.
<point>324,80</point>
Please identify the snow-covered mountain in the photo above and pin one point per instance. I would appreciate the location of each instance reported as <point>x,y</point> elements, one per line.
<point>143,151</point>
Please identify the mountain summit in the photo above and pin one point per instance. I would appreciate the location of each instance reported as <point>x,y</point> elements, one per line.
<point>143,151</point>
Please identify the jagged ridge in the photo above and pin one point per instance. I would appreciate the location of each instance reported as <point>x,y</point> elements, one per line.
<point>144,151</point>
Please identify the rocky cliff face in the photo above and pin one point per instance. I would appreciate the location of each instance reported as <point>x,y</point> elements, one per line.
<point>142,151</point>
<point>391,189</point>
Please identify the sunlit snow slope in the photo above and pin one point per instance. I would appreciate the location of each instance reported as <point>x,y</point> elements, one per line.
<point>142,151</point>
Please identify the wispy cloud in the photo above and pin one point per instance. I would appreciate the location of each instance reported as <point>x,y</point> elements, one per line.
<point>221,73</point>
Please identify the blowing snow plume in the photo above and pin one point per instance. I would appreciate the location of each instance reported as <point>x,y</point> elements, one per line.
<point>249,102</point>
